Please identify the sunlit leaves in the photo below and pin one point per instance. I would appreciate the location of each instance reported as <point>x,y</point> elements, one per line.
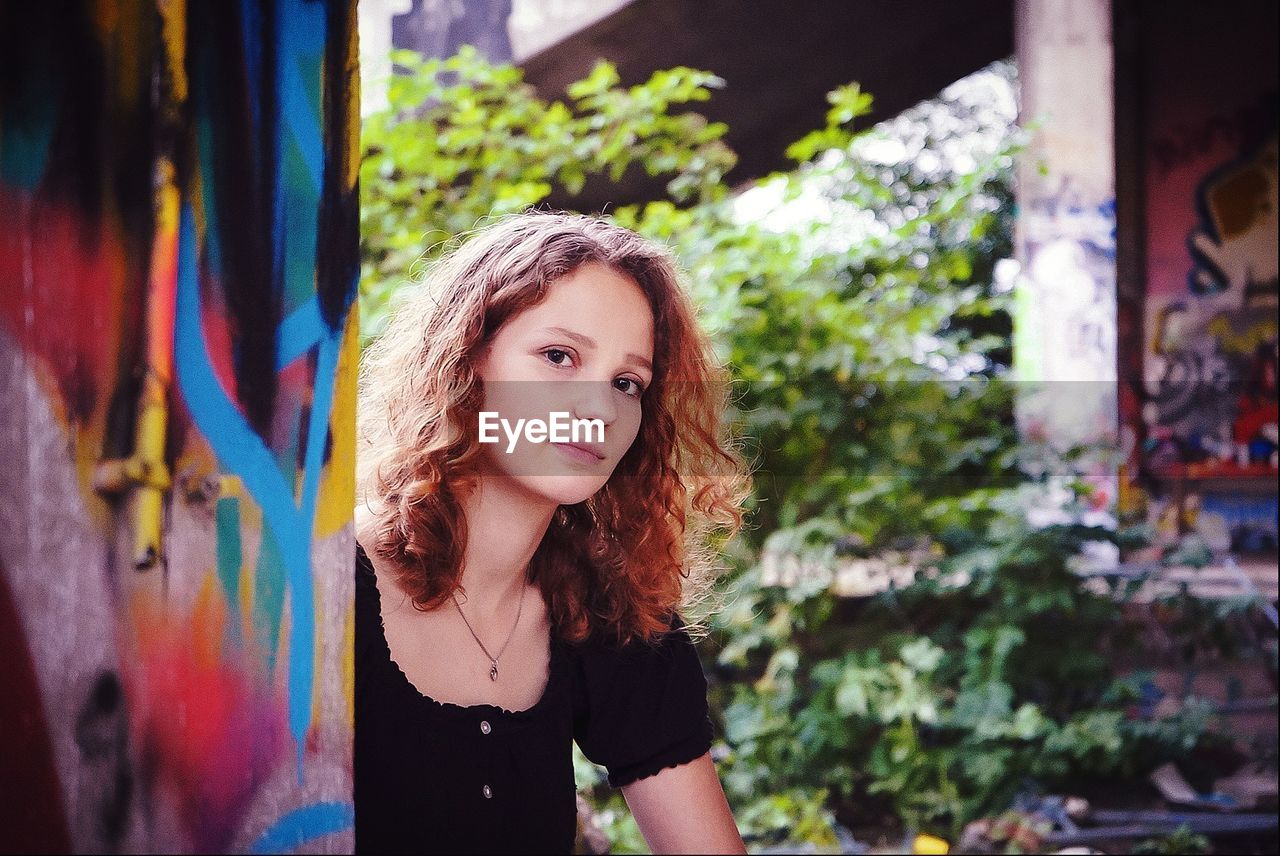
<point>462,141</point>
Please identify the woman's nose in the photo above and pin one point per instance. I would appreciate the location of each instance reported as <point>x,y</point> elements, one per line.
<point>595,400</point>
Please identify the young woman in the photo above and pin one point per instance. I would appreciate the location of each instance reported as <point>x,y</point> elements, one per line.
<point>515,596</point>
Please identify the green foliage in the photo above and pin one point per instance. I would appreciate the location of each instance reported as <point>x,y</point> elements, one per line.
<point>797,814</point>
<point>855,299</point>
<point>945,698</point>
<point>1013,831</point>
<point>866,335</point>
<point>1181,841</point>
<point>463,140</point>
<point>616,822</point>
<point>887,338</point>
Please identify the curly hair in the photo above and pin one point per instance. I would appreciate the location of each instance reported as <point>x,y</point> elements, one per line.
<point>624,560</point>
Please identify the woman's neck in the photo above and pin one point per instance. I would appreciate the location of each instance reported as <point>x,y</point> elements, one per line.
<point>504,529</point>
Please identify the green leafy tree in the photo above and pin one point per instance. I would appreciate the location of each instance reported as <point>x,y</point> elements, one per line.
<point>462,141</point>
<point>940,701</point>
<point>855,299</point>
<point>856,358</point>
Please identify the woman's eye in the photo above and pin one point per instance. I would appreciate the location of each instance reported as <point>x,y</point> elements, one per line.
<point>630,387</point>
<point>556,355</point>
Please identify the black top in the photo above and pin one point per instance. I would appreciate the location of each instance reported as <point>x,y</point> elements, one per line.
<point>437,777</point>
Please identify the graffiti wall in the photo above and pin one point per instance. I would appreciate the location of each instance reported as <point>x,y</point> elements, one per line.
<point>1210,146</point>
<point>178,262</point>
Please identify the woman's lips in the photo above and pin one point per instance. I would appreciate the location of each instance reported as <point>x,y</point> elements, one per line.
<point>581,454</point>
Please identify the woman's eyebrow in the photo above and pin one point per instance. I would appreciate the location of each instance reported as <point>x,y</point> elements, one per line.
<point>590,343</point>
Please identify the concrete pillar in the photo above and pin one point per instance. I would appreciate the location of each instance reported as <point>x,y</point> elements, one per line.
<point>1065,316</point>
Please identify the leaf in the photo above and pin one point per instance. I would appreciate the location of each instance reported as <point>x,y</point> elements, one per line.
<point>921,655</point>
<point>603,76</point>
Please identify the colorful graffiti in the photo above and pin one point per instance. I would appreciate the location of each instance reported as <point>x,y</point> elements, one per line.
<point>1208,415</point>
<point>1211,367</point>
<point>178,347</point>
<point>1238,228</point>
<point>1212,343</point>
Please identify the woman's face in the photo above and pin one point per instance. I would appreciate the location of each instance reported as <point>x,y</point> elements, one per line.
<point>584,353</point>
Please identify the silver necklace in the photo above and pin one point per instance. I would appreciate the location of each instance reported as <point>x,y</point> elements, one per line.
<point>493,661</point>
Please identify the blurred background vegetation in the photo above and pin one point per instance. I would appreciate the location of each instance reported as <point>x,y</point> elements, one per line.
<point>905,644</point>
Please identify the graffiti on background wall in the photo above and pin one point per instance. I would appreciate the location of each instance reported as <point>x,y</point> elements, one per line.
<point>1209,417</point>
<point>178,263</point>
<point>1071,251</point>
<point>1065,322</point>
<point>1212,401</point>
<point>1213,348</point>
<point>1231,247</point>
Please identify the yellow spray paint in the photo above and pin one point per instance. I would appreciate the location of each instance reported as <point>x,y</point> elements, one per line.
<point>145,472</point>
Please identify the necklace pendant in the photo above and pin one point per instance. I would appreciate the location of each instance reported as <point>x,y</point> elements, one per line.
<point>493,672</point>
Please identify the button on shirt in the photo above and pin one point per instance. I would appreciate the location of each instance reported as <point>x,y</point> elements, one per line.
<point>437,777</point>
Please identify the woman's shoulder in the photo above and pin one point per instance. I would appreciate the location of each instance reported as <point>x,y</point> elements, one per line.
<point>375,582</point>
<point>608,668</point>
<point>641,706</point>
<point>602,654</point>
<point>372,569</point>
<point>365,573</point>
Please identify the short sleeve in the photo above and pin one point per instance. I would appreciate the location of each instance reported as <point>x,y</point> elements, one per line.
<point>641,708</point>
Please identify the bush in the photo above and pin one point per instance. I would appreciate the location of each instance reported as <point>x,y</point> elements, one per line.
<point>941,701</point>
<point>860,313</point>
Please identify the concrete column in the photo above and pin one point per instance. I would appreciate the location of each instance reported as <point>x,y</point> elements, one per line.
<point>1065,316</point>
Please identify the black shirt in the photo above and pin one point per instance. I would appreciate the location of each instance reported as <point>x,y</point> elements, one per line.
<point>431,776</point>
